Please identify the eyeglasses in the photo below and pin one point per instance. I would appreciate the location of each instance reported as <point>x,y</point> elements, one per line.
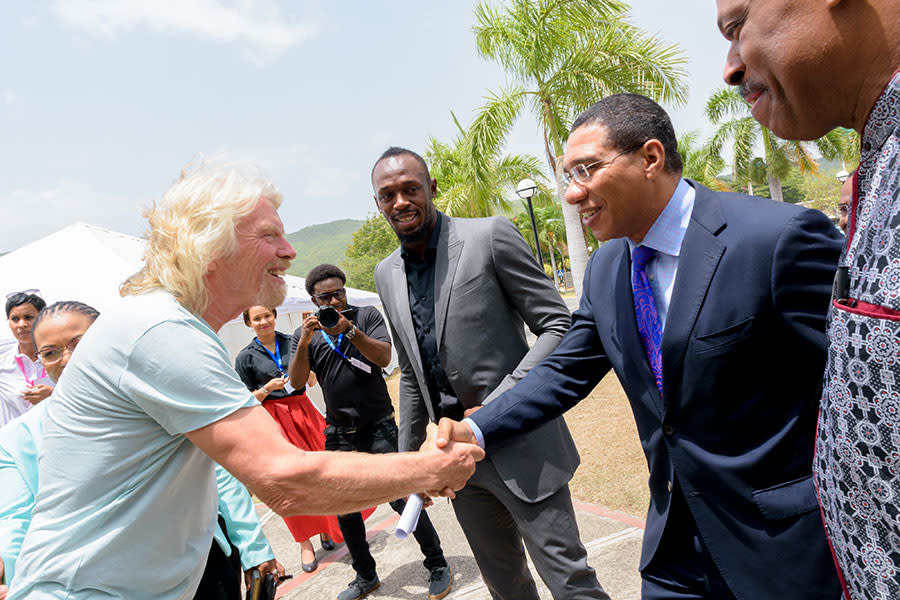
<point>31,292</point>
<point>52,355</point>
<point>327,296</point>
<point>581,173</point>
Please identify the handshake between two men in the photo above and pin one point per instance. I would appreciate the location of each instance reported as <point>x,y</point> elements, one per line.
<point>453,437</point>
<point>454,454</point>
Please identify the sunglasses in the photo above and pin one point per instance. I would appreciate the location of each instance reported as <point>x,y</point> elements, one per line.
<point>31,292</point>
<point>327,296</point>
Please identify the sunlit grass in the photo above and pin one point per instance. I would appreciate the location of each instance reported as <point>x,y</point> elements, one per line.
<point>613,472</point>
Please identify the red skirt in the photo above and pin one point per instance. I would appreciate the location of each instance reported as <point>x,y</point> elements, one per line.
<point>303,426</point>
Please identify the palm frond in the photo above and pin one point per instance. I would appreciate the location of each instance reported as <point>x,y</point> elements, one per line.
<point>493,122</point>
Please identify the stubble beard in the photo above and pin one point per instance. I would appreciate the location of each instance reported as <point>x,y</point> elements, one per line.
<point>418,235</point>
<point>412,237</point>
<point>272,297</point>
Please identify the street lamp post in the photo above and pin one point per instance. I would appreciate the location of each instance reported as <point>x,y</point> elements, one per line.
<point>526,190</point>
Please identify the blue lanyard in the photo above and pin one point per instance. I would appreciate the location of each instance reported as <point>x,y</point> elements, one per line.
<point>277,357</point>
<point>336,348</point>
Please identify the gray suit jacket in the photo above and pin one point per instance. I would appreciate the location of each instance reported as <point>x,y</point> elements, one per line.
<point>487,285</point>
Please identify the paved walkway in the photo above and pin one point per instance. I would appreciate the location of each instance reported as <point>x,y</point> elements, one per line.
<point>612,540</point>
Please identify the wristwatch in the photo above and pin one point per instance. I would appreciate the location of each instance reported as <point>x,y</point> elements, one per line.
<point>350,332</point>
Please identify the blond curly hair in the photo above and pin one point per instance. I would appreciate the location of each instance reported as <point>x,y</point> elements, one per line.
<point>192,225</point>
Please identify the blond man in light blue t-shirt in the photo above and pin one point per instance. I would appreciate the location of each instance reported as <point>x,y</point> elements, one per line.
<point>126,499</point>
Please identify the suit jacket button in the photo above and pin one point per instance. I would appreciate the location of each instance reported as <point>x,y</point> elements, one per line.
<point>668,429</point>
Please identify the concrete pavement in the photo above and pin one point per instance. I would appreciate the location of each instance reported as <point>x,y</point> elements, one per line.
<point>612,540</point>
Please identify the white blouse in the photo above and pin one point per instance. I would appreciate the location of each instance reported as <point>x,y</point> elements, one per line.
<point>17,371</point>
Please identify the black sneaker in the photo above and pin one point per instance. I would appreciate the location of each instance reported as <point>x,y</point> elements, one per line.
<point>439,583</point>
<point>360,587</point>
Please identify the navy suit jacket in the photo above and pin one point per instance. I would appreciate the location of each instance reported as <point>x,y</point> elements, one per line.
<point>743,353</point>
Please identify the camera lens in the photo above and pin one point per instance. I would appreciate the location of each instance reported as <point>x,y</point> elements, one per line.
<point>328,316</point>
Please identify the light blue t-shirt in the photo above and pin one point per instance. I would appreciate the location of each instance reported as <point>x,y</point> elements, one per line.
<point>241,521</point>
<point>126,504</point>
<point>19,444</point>
<point>20,440</point>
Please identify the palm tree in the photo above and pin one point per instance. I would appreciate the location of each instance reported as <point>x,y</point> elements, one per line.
<point>561,56</point>
<point>731,114</point>
<point>699,165</point>
<point>552,234</point>
<point>469,190</point>
<point>550,225</point>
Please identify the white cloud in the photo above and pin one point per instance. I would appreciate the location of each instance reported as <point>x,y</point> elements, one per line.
<point>257,23</point>
<point>297,166</point>
<point>9,97</point>
<point>40,212</point>
<point>317,185</point>
<point>315,188</point>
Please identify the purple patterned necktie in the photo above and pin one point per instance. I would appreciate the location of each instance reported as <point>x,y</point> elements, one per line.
<point>645,311</point>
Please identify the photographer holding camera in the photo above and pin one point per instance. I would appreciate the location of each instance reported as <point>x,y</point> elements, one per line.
<point>347,347</point>
<point>262,366</point>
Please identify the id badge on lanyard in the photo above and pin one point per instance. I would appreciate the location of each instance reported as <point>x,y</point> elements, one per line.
<point>350,359</point>
<point>276,358</point>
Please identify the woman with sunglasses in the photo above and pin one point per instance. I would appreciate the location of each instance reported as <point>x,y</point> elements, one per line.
<point>23,380</point>
<point>262,366</point>
<point>57,331</point>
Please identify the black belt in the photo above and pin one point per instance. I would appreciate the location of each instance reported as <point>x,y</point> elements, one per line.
<point>350,429</point>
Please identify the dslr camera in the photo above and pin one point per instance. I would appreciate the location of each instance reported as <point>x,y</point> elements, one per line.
<point>328,316</point>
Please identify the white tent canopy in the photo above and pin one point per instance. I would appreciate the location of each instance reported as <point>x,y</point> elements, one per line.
<point>87,263</point>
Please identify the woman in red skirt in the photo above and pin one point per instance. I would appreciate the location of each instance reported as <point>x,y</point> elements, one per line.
<point>262,366</point>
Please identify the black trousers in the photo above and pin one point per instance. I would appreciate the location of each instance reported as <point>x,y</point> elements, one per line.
<point>222,576</point>
<point>378,438</point>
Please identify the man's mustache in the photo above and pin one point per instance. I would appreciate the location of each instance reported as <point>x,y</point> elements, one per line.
<point>747,88</point>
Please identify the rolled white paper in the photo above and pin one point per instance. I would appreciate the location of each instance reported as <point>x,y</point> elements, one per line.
<point>410,517</point>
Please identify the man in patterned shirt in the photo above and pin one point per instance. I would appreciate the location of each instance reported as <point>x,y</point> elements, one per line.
<point>783,56</point>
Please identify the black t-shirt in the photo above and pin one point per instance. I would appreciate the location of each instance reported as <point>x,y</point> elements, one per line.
<point>352,396</point>
<point>256,368</point>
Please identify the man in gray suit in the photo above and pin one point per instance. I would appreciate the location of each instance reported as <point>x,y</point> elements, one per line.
<point>456,294</point>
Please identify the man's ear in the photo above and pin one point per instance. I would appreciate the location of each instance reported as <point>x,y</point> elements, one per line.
<point>654,156</point>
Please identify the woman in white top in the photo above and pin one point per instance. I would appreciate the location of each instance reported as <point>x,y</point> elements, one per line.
<point>23,380</point>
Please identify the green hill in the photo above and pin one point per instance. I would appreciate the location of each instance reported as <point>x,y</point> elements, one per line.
<point>324,243</point>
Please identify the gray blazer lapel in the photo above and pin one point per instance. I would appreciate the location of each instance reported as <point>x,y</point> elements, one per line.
<point>404,323</point>
<point>448,250</point>
<point>701,252</point>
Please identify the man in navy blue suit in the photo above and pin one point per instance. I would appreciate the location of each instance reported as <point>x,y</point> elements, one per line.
<point>710,307</point>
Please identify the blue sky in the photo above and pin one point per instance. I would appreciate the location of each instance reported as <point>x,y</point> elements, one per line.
<point>102,102</point>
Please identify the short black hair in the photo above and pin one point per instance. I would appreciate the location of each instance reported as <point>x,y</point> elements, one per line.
<point>631,120</point>
<point>20,298</point>
<point>397,151</point>
<point>65,306</point>
<point>246,314</point>
<point>321,273</point>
